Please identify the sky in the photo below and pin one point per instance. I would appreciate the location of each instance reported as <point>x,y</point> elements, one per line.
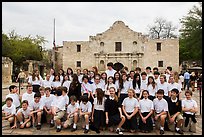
<point>76,21</point>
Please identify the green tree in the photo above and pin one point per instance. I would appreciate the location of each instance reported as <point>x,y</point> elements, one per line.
<point>191,35</point>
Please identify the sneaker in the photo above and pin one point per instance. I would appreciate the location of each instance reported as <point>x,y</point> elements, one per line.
<point>161,132</point>
<point>86,131</point>
<point>38,127</point>
<point>119,132</point>
<point>58,129</point>
<point>52,124</point>
<point>179,131</point>
<point>73,129</point>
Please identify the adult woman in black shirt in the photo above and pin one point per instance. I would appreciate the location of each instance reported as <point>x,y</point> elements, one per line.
<point>75,87</point>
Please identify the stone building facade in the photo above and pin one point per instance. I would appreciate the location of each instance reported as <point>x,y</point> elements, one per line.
<point>122,46</point>
<point>7,69</point>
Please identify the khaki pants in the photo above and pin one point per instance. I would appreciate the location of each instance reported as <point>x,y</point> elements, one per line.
<point>191,126</point>
<point>59,115</point>
<point>172,125</point>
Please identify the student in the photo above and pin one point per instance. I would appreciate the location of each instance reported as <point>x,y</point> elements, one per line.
<point>138,70</point>
<point>103,80</point>
<point>36,108</point>
<point>69,73</point>
<point>66,82</point>
<point>56,83</point>
<point>85,72</point>
<point>95,70</point>
<point>85,109</point>
<point>61,74</point>
<point>47,106</point>
<point>168,72</point>
<point>148,72</point>
<point>113,112</point>
<point>110,71</point>
<point>143,81</point>
<point>52,74</point>
<point>58,108</point>
<point>130,108</point>
<point>161,109</point>
<point>23,115</point>
<point>145,110</point>
<point>47,82</point>
<point>28,95</point>
<point>157,77</point>
<point>172,84</point>
<point>9,111</point>
<point>136,84</point>
<point>79,75</point>
<point>96,85</point>
<point>151,88</point>
<point>124,88</point>
<point>98,115</point>
<point>75,88</point>
<point>174,113</point>
<point>155,69</point>
<point>131,75</point>
<point>117,81</point>
<point>35,81</point>
<point>164,85</point>
<point>86,87</point>
<point>65,96</point>
<point>189,108</point>
<point>91,77</point>
<point>108,85</point>
<point>14,95</point>
<point>72,114</point>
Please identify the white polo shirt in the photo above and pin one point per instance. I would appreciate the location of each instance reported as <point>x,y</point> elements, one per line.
<point>66,84</point>
<point>56,84</point>
<point>146,105</point>
<point>130,104</point>
<point>86,87</point>
<point>35,106</point>
<point>48,101</point>
<point>51,78</point>
<point>46,83</point>
<point>10,110</point>
<point>28,97</point>
<point>103,83</point>
<point>160,105</point>
<point>126,85</point>
<point>189,104</point>
<point>164,86</point>
<point>143,85</point>
<point>97,106</point>
<point>36,81</point>
<point>152,91</point>
<point>95,86</point>
<point>86,107</point>
<point>26,113</point>
<point>117,84</point>
<point>15,97</point>
<point>174,85</point>
<point>71,108</point>
<point>59,103</point>
<point>110,72</point>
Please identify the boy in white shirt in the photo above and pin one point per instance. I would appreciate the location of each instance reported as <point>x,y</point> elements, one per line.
<point>23,115</point>
<point>143,81</point>
<point>14,95</point>
<point>8,112</point>
<point>85,112</point>
<point>161,109</point>
<point>65,96</point>
<point>37,110</point>
<point>72,114</point>
<point>47,106</point>
<point>28,95</point>
<point>110,71</point>
<point>189,107</point>
<point>47,82</point>
<point>58,108</point>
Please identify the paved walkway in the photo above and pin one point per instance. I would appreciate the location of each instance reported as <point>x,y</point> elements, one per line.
<point>45,130</point>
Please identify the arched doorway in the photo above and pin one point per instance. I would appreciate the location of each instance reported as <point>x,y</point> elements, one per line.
<point>118,66</point>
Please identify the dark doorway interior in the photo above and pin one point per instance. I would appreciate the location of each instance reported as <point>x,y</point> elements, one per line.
<point>118,66</point>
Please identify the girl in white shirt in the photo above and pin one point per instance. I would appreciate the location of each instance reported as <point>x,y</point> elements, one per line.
<point>52,74</point>
<point>124,88</point>
<point>86,88</point>
<point>108,85</point>
<point>164,85</point>
<point>36,81</point>
<point>151,88</point>
<point>61,74</point>
<point>66,82</point>
<point>103,80</point>
<point>69,73</point>
<point>47,82</point>
<point>130,108</point>
<point>136,84</point>
<point>96,85</point>
<point>146,108</point>
<point>56,83</point>
<point>117,81</point>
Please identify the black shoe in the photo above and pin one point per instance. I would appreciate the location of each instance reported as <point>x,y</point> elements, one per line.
<point>11,124</point>
<point>179,131</point>
<point>73,129</point>
<point>161,132</point>
<point>52,124</point>
<point>86,131</point>
<point>38,127</point>
<point>58,129</point>
<point>97,131</point>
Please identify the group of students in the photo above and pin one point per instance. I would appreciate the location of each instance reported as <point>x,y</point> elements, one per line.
<point>133,101</point>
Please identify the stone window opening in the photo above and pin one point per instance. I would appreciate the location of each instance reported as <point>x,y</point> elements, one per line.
<point>101,43</point>
<point>160,63</point>
<point>158,46</point>
<point>78,48</point>
<point>118,46</point>
<point>78,64</point>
